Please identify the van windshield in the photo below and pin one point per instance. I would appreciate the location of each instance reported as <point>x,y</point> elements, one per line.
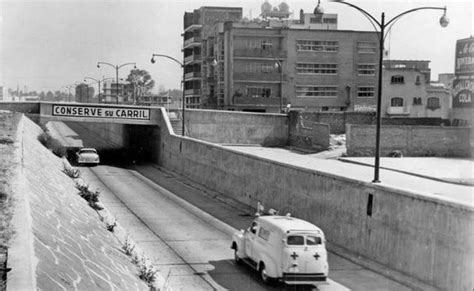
<point>300,240</point>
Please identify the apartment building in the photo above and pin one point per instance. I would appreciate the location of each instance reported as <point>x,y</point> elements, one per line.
<point>262,65</point>
<point>198,53</point>
<point>113,92</point>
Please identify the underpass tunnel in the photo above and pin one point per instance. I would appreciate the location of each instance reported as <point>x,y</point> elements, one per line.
<point>116,143</point>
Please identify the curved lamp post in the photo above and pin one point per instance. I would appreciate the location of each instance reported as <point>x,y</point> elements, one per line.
<point>116,67</point>
<point>279,66</point>
<point>182,82</point>
<point>383,28</point>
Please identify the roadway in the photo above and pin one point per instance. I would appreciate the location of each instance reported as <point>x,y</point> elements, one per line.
<point>194,254</point>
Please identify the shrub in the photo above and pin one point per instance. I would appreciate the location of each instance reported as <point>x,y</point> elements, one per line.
<point>128,246</point>
<point>71,172</point>
<point>146,271</point>
<point>92,197</point>
<point>52,144</point>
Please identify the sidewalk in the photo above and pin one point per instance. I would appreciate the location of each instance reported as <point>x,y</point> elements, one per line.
<point>427,187</point>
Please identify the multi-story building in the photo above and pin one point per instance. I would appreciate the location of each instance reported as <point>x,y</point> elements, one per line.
<point>408,91</point>
<point>463,84</point>
<point>262,65</point>
<point>197,53</point>
<point>113,92</point>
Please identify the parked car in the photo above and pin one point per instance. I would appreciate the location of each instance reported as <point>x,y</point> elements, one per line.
<point>283,248</point>
<point>88,156</point>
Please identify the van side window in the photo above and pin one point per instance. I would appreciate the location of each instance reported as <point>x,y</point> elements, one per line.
<point>295,240</point>
<point>313,240</point>
<point>263,233</point>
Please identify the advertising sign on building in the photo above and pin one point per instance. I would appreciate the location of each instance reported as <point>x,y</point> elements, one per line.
<point>101,112</point>
<point>462,93</point>
<point>464,65</point>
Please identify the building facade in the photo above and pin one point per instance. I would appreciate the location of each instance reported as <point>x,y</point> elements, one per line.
<point>265,64</point>
<point>408,91</point>
<point>113,92</point>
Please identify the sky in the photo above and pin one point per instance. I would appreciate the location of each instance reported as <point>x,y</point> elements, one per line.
<point>47,45</point>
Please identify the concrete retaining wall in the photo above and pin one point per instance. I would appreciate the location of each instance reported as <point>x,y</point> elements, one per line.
<point>237,127</point>
<point>307,135</point>
<point>424,238</point>
<point>414,141</point>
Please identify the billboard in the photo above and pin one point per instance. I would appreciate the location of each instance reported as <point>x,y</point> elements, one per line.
<point>75,110</point>
<point>462,93</point>
<point>464,64</point>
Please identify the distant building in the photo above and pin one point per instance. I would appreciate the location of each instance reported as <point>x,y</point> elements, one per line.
<point>262,65</point>
<point>408,92</point>
<point>113,92</point>
<point>463,84</point>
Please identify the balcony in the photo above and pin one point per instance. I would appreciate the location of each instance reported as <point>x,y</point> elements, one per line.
<point>192,42</point>
<point>258,101</point>
<point>193,27</point>
<point>192,76</point>
<point>192,59</point>
<point>273,76</point>
<point>192,92</point>
<point>260,53</point>
<point>398,110</point>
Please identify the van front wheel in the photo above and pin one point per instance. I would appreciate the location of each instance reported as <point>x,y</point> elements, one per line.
<point>237,259</point>
<point>264,275</point>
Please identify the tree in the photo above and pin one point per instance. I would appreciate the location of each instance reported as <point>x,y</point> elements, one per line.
<point>49,96</point>
<point>42,95</point>
<point>140,83</point>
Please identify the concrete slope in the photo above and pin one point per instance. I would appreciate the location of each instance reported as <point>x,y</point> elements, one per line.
<point>60,243</point>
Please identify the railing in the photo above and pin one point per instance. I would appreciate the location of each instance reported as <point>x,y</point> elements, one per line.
<point>194,39</point>
<point>192,75</point>
<point>192,92</point>
<point>192,58</point>
<point>260,53</point>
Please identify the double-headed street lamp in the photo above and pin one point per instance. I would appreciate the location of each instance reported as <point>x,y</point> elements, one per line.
<point>383,28</point>
<point>182,82</point>
<point>116,67</point>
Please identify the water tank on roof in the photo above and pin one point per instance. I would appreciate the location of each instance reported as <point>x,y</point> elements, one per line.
<point>284,7</point>
<point>266,7</point>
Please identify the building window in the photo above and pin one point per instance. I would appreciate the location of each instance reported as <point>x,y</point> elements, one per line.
<point>417,82</point>
<point>259,92</point>
<point>266,45</point>
<point>316,91</point>
<point>397,80</point>
<point>433,103</point>
<point>366,69</point>
<point>365,92</point>
<point>317,46</point>
<point>321,69</point>
<point>396,102</point>
<point>417,101</point>
<point>366,47</point>
<point>266,68</point>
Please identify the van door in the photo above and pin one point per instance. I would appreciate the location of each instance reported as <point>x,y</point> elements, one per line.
<point>250,238</point>
<point>304,254</point>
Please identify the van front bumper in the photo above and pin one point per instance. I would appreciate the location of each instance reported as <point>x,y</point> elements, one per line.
<point>302,278</point>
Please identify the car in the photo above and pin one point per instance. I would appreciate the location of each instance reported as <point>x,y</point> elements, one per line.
<point>88,156</point>
<point>283,248</point>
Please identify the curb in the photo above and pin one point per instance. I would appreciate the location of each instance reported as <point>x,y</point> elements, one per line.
<point>223,227</point>
<point>21,255</point>
<point>408,173</point>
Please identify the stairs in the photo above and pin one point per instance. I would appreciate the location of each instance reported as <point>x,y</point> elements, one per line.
<point>176,122</point>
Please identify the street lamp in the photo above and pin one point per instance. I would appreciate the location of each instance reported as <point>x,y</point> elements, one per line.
<point>182,82</point>
<point>116,67</point>
<point>383,29</point>
<point>279,66</point>
<point>98,87</point>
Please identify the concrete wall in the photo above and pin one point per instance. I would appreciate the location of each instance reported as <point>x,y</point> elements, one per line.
<point>101,135</point>
<point>418,236</point>
<point>414,141</point>
<point>307,135</point>
<point>25,107</point>
<point>237,127</point>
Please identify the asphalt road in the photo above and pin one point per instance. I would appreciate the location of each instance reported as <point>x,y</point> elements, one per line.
<point>191,253</point>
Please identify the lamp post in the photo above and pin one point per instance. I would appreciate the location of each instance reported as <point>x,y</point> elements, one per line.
<point>383,28</point>
<point>116,67</point>
<point>182,82</point>
<point>279,66</point>
<point>98,87</point>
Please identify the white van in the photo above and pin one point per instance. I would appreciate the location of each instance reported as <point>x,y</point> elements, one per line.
<point>283,248</point>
